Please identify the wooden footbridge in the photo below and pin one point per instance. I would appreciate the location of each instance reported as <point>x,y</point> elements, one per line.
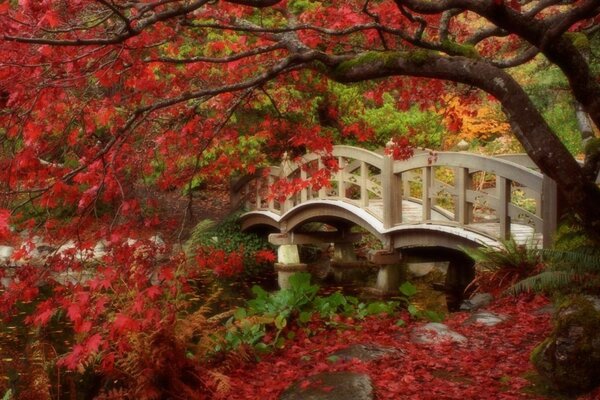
<point>444,200</point>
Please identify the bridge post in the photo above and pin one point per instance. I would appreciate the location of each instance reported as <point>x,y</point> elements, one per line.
<point>464,209</point>
<point>503,189</point>
<point>288,263</point>
<point>426,189</point>
<point>286,169</point>
<point>391,186</point>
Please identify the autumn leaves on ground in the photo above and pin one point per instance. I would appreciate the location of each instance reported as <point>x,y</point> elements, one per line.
<point>492,364</point>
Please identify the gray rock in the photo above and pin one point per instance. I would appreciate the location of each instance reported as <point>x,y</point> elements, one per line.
<point>363,352</point>
<point>434,332</point>
<point>547,309</point>
<point>486,318</point>
<point>6,252</point>
<point>331,386</point>
<point>419,270</point>
<point>476,302</point>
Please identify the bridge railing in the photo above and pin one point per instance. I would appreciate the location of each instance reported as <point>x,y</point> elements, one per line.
<point>350,174</point>
<point>453,188</point>
<point>477,190</point>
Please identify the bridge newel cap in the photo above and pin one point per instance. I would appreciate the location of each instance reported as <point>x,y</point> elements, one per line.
<point>463,145</point>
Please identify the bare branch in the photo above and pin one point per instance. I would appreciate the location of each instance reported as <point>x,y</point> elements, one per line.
<point>522,58</point>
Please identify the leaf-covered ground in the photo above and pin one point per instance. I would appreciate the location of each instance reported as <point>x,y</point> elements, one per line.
<point>494,364</point>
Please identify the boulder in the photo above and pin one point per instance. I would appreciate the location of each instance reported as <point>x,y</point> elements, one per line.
<point>331,386</point>
<point>363,352</point>
<point>570,357</point>
<point>434,332</point>
<point>486,318</point>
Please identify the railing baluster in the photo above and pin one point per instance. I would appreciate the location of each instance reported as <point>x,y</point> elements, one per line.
<point>426,189</point>
<point>341,184</point>
<point>503,188</point>
<point>364,176</point>
<point>398,189</point>
<point>464,209</point>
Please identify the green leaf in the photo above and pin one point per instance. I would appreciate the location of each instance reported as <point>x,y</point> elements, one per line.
<point>400,322</point>
<point>413,310</point>
<point>333,359</point>
<point>280,322</point>
<point>304,317</point>
<point>408,289</point>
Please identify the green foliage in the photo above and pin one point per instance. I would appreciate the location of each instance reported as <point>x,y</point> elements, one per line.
<point>571,266</point>
<point>424,128</point>
<point>504,266</point>
<point>548,88</point>
<point>227,236</point>
<point>510,256</point>
<point>265,318</point>
<point>408,291</point>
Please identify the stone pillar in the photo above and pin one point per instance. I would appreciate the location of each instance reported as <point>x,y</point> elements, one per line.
<point>288,263</point>
<point>392,272</point>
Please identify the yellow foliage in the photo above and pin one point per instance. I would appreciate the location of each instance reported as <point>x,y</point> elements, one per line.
<point>483,122</point>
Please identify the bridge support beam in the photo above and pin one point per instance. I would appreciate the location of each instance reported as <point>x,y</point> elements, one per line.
<point>392,272</point>
<point>288,263</point>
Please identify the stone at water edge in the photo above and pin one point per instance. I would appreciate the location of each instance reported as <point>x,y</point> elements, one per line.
<point>434,332</point>
<point>485,318</point>
<point>364,352</point>
<point>570,357</point>
<point>342,385</point>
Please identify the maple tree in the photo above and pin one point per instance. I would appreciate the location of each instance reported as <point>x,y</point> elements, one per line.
<point>100,98</point>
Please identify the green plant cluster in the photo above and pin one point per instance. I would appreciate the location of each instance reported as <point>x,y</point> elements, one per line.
<point>264,322</point>
<point>228,236</point>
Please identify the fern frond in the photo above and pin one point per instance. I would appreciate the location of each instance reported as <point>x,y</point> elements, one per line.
<point>545,280</point>
<point>199,233</point>
<point>222,384</point>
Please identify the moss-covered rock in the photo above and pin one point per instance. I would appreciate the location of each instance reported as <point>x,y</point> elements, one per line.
<point>570,357</point>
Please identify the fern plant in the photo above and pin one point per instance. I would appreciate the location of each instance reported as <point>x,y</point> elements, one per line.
<point>574,270</point>
<point>504,266</point>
